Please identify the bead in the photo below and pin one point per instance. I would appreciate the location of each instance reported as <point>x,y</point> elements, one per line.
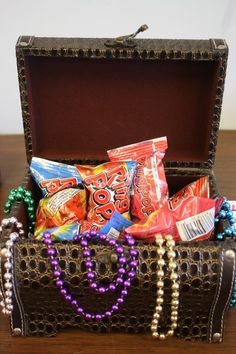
<point>222,214</point>
<point>7,276</point>
<point>5,222</point>
<point>79,310</point>
<point>171,254</point>
<point>8,301</point>
<point>51,252</point>
<point>19,225</point>
<point>121,271</point>
<point>93,285</point>
<point>14,236</point>
<point>84,243</point>
<point>173,325</point>
<point>158,308</point>
<point>159,300</point>
<point>156,315</point>
<point>7,265</point>
<point>155,334</point>
<point>57,273</point>
<point>8,254</point>
<point>108,313</point>
<point>175,286</point>
<point>90,275</point>
<point>153,327</point>
<point>54,262</point>
<point>119,280</point>
<point>162,336</point>
<point>120,300</point>
<point>112,242</point>
<point>175,294</point>
<point>88,264</point>
<point>59,283</point>
<point>101,290</point>
<point>98,317</point>
<point>127,283</point>
<point>160,284</point>
<point>172,265</point>
<point>74,303</point>
<point>103,237</point>
<point>133,253</point>
<point>88,316</point>
<point>160,292</point>
<point>173,276</point>
<point>124,292</point>
<point>170,333</point>
<point>131,242</point>
<point>161,262</point>
<point>173,318</point>
<point>170,243</point>
<point>86,253</point>
<point>115,308</point>
<point>8,293</point>
<point>3,252</point>
<point>131,274</point>
<point>133,264</point>
<point>112,286</point>
<point>175,302</point>
<point>160,273</point>
<point>119,249</point>
<point>122,260</point>
<point>8,285</point>
<point>161,251</point>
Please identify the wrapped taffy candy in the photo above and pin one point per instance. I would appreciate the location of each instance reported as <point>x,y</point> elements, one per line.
<point>149,183</point>
<point>186,216</point>
<point>109,190</point>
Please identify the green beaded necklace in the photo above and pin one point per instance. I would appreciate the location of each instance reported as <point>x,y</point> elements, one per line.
<point>21,194</point>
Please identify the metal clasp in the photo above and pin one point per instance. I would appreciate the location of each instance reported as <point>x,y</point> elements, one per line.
<point>125,41</point>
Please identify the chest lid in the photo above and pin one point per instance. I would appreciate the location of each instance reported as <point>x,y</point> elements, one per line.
<point>83,96</point>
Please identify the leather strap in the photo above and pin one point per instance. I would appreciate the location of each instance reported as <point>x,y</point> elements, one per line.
<point>222,295</point>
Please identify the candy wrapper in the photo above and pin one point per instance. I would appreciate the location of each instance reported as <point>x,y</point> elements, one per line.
<point>61,233</point>
<point>64,207</point>
<point>198,188</point>
<point>149,183</point>
<point>52,177</point>
<point>186,216</point>
<point>109,190</point>
<point>116,225</point>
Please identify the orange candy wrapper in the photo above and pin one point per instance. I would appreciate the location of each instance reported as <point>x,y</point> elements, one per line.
<point>149,184</point>
<point>65,207</point>
<point>109,190</point>
<point>188,215</point>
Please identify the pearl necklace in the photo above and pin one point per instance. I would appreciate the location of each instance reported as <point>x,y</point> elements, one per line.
<point>6,253</point>
<point>170,243</point>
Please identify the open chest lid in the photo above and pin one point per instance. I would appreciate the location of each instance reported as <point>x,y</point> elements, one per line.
<point>82,96</point>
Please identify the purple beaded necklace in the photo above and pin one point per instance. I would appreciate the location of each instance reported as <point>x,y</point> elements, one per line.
<point>126,271</point>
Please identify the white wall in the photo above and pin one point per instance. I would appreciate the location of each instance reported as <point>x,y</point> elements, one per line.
<point>109,18</point>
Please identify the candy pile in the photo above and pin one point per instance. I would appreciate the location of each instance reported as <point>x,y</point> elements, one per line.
<point>129,194</point>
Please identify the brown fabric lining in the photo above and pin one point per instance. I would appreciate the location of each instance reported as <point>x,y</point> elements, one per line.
<point>79,108</point>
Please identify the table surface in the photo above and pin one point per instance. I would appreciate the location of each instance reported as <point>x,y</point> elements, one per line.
<point>12,168</point>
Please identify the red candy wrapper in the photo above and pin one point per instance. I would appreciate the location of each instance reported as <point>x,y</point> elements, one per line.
<point>65,207</point>
<point>186,216</point>
<point>149,184</point>
<point>109,190</point>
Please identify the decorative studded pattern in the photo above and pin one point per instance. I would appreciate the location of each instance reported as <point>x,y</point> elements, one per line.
<point>46,312</point>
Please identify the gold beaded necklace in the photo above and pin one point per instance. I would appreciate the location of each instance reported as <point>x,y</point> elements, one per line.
<point>171,264</point>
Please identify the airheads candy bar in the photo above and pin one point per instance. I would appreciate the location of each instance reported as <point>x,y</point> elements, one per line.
<point>188,215</point>
<point>109,187</point>
<point>64,207</point>
<point>149,183</point>
<point>52,177</point>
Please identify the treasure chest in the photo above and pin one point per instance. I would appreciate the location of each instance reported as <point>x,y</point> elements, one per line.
<point>83,96</point>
